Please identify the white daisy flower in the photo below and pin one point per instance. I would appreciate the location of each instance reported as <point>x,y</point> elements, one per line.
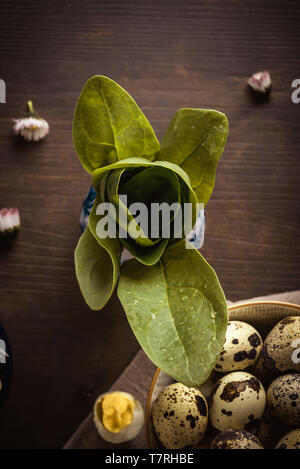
<point>9,222</point>
<point>260,81</point>
<point>31,126</point>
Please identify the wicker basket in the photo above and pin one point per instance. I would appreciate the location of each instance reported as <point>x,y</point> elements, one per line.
<point>263,315</point>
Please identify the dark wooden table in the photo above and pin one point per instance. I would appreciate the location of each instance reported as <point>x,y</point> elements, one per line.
<point>167,54</point>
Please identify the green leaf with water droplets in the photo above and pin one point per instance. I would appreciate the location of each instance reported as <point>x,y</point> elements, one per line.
<point>195,140</point>
<point>178,312</point>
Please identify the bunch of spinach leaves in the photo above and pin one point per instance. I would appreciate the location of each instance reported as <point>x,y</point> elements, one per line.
<point>171,295</point>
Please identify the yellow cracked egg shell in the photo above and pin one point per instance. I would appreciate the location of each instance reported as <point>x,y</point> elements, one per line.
<point>180,416</point>
<point>284,399</point>
<point>242,347</point>
<point>236,439</point>
<point>281,350</point>
<point>290,441</point>
<point>118,416</point>
<point>238,402</point>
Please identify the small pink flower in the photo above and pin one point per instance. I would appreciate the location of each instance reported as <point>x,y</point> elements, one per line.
<point>9,221</point>
<point>32,127</point>
<point>260,81</point>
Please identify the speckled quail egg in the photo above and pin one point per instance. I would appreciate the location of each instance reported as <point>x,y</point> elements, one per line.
<point>238,402</point>
<point>241,349</point>
<point>284,399</point>
<point>118,416</point>
<point>290,441</point>
<point>281,350</point>
<point>236,439</point>
<point>180,416</point>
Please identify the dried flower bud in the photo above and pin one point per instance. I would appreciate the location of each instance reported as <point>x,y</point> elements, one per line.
<point>9,222</point>
<point>260,81</point>
<point>31,126</point>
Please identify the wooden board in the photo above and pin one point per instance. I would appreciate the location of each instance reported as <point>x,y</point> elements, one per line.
<point>167,54</point>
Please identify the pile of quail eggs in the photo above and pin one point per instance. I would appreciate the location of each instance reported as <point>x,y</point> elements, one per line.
<point>251,401</point>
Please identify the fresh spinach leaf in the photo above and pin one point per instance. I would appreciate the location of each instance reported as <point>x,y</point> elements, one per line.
<point>146,256</point>
<point>178,312</point>
<point>195,141</point>
<point>124,217</point>
<point>172,297</point>
<point>109,126</point>
<point>146,252</point>
<point>100,173</point>
<point>97,268</point>
<point>153,185</point>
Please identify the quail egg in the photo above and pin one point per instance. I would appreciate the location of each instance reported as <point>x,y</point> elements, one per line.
<point>241,349</point>
<point>238,402</point>
<point>281,350</point>
<point>180,416</point>
<point>284,399</point>
<point>290,441</point>
<point>118,416</point>
<point>236,439</point>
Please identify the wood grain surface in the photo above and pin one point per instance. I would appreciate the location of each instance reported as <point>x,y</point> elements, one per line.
<point>167,54</point>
